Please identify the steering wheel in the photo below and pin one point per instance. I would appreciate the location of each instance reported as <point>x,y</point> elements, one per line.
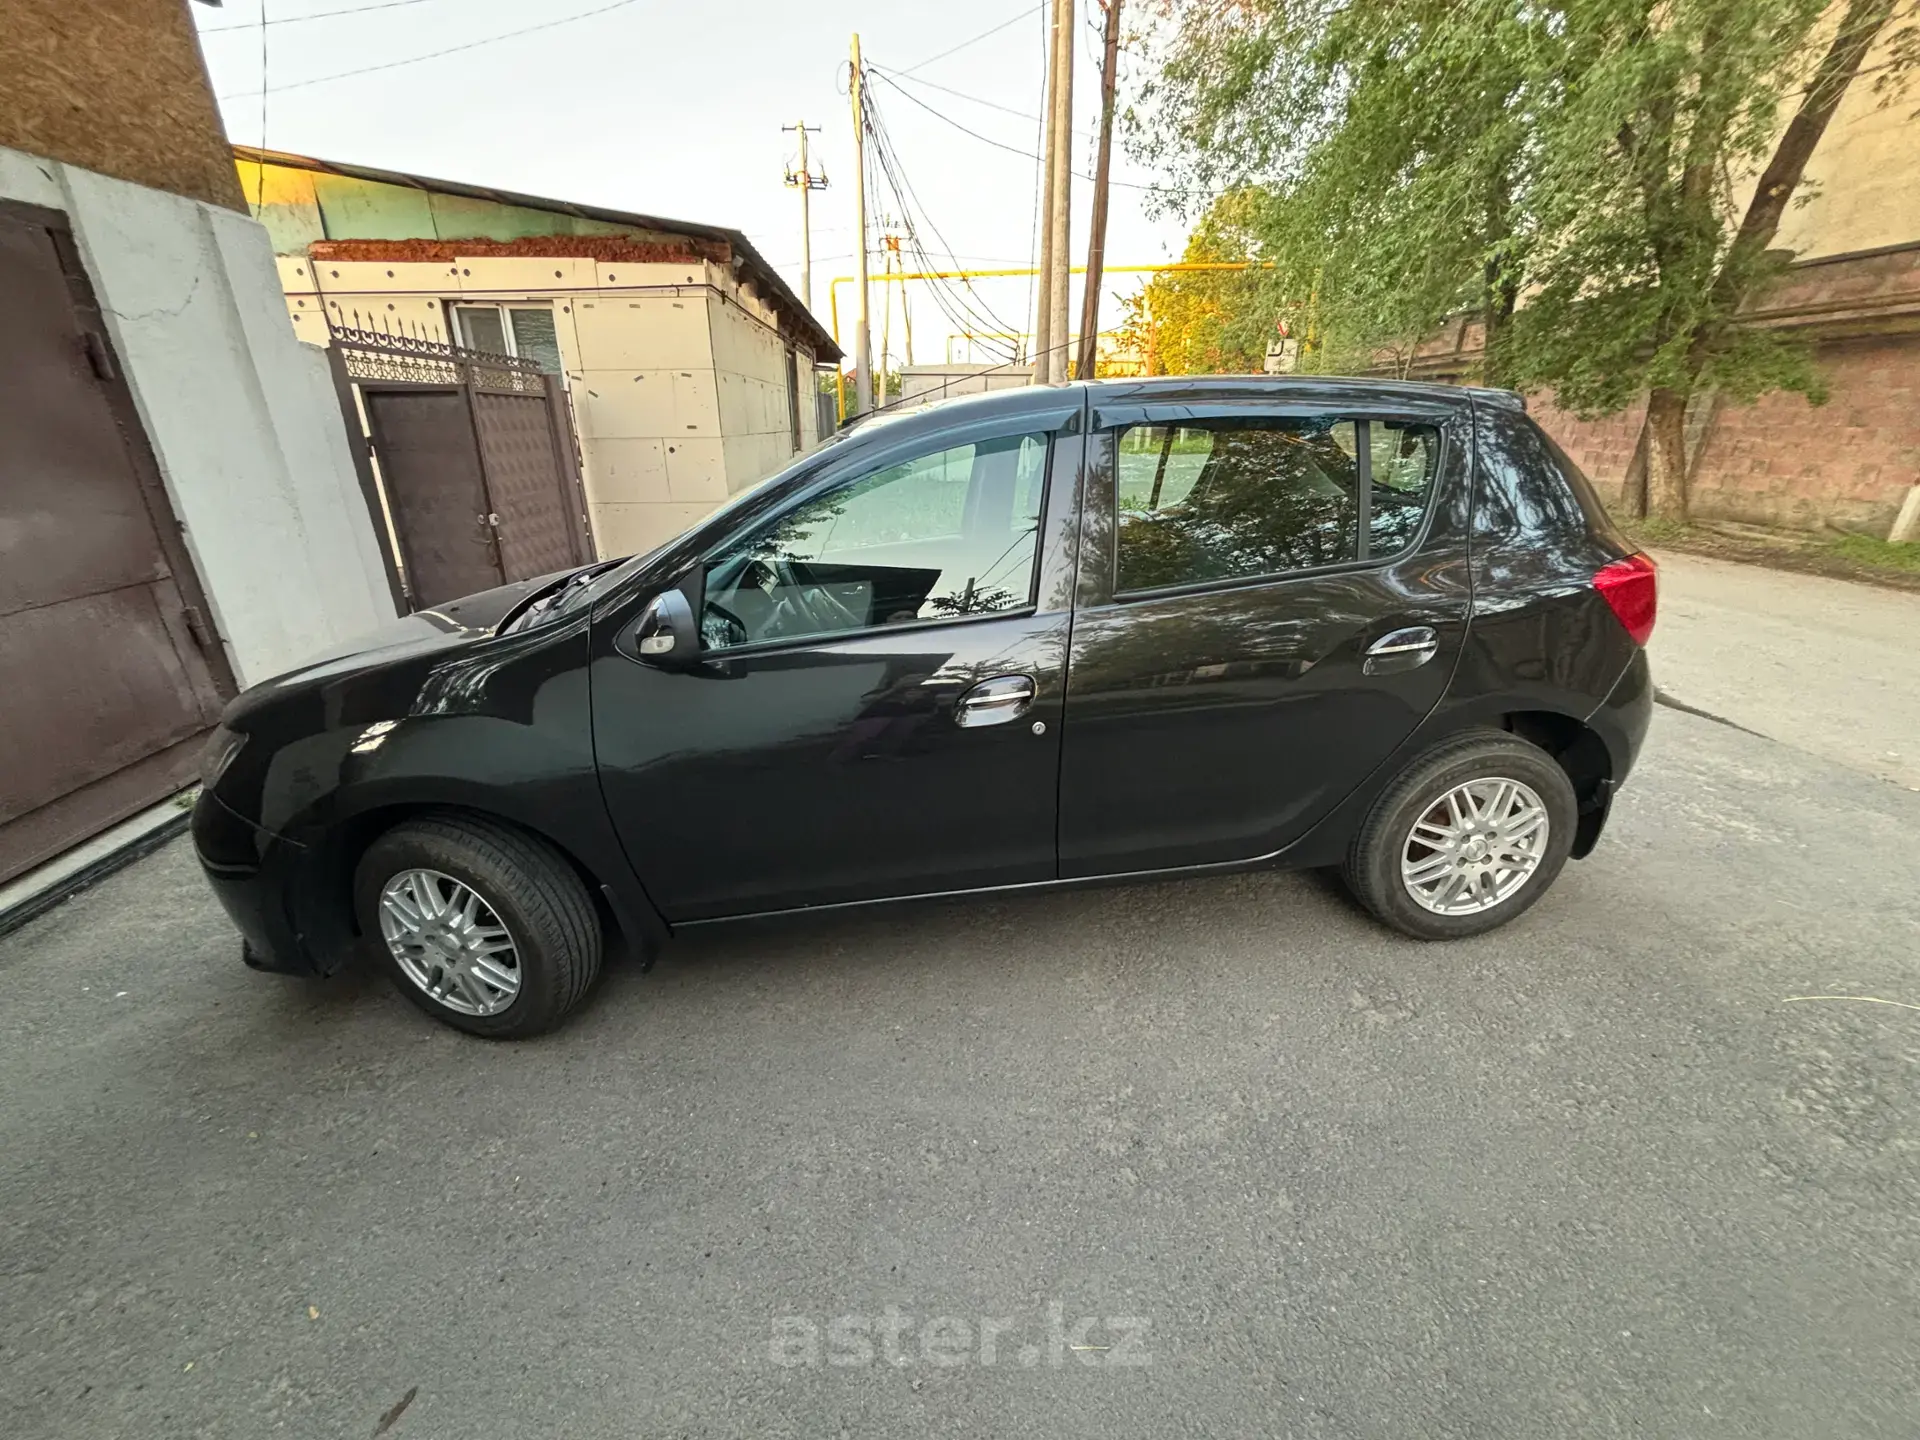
<point>814,605</point>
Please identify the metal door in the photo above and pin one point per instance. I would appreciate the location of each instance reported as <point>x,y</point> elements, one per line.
<point>430,463</point>
<point>535,523</point>
<point>109,673</point>
<point>476,461</point>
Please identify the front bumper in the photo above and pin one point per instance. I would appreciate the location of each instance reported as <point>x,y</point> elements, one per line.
<point>251,872</point>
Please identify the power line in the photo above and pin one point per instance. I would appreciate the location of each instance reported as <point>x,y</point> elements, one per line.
<point>1039,165</point>
<point>976,99</point>
<point>1030,155</point>
<point>982,315</point>
<point>959,306</point>
<point>436,54</point>
<point>975,40</point>
<point>317,15</point>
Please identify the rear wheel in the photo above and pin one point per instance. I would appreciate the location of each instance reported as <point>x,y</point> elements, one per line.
<point>1469,836</point>
<point>482,926</point>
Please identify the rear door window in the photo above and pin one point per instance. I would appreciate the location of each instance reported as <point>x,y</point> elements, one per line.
<point>1233,498</point>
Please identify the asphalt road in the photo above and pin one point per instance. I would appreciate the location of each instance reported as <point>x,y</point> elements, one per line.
<point>1594,1175</point>
<point>1829,666</point>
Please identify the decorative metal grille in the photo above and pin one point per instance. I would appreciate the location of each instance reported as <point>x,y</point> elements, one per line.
<point>417,360</point>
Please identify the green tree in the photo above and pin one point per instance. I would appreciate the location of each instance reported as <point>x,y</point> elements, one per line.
<point>1384,145</point>
<point>1206,322</point>
<point>1565,172</point>
<point>1649,262</point>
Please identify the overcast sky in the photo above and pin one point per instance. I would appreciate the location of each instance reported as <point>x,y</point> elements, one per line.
<point>675,109</point>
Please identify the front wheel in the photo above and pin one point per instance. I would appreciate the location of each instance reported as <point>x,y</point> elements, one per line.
<point>482,926</point>
<point>1468,837</point>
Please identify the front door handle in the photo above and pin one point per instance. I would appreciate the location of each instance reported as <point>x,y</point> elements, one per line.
<point>994,701</point>
<point>1406,649</point>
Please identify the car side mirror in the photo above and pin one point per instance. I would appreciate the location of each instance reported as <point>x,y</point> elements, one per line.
<point>666,635</point>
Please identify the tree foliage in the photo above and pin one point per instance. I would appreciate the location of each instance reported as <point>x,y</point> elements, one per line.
<point>1568,173</point>
<point>1205,322</point>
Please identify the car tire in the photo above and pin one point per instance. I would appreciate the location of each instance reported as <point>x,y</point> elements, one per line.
<point>1390,866</point>
<point>522,888</point>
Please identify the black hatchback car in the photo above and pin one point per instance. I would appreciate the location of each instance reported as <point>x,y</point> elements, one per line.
<point>1046,637</point>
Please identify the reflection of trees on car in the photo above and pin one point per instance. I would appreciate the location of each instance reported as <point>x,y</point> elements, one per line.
<point>1267,500</point>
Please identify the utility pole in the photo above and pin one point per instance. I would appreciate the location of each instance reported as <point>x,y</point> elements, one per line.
<point>1043,288</point>
<point>1097,229</point>
<point>1060,156</point>
<point>806,182</point>
<point>890,252</point>
<point>862,332</point>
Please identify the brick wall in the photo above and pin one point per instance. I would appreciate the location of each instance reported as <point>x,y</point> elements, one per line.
<point>115,86</point>
<point>1603,448</point>
<point>1847,463</point>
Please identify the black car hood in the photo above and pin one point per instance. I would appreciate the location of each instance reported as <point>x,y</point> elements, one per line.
<point>425,632</point>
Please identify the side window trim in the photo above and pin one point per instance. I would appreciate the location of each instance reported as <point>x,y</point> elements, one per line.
<point>1111,422</point>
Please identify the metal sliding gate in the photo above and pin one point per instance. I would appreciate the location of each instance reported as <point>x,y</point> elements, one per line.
<point>475,478</point>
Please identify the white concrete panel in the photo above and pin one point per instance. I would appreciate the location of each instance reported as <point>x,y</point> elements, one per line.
<point>389,311</point>
<point>374,276</point>
<point>632,529</point>
<point>295,273</point>
<point>697,470</point>
<point>626,470</point>
<point>242,419</point>
<point>310,322</point>
<point>625,403</point>
<point>614,274</point>
<point>751,458</point>
<point>522,275</point>
<point>696,406</point>
<point>643,332</point>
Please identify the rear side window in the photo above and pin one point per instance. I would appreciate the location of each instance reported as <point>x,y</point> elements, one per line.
<point>1229,499</point>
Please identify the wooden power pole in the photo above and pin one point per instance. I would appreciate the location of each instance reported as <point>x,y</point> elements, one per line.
<point>1043,286</point>
<point>862,331</point>
<point>1060,161</point>
<point>1097,227</point>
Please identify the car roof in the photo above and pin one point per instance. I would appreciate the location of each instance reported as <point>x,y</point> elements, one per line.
<point>898,417</point>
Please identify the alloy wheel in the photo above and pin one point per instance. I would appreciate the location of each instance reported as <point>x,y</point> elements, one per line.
<point>1475,846</point>
<point>449,941</point>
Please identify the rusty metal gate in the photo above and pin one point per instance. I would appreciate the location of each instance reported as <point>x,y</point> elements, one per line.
<point>473,463</point>
<point>109,673</point>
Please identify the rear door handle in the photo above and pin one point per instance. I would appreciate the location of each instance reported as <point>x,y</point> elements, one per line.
<point>994,701</point>
<point>1405,649</point>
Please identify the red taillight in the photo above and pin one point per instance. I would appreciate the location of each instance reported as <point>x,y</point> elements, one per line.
<point>1631,588</point>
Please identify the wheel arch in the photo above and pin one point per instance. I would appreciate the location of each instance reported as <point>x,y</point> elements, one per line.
<point>322,900</point>
<point>1580,751</point>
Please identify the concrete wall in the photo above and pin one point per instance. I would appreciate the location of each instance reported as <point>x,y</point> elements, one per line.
<point>242,418</point>
<point>118,87</point>
<point>1862,186</point>
<point>939,382</point>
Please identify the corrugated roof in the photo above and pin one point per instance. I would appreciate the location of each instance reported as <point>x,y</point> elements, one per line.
<point>764,276</point>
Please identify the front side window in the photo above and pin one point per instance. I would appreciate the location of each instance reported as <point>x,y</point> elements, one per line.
<point>945,535</point>
<point>1233,498</point>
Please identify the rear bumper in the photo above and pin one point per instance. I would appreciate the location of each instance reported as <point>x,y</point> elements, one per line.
<point>250,871</point>
<point>1622,718</point>
<point>1621,723</point>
